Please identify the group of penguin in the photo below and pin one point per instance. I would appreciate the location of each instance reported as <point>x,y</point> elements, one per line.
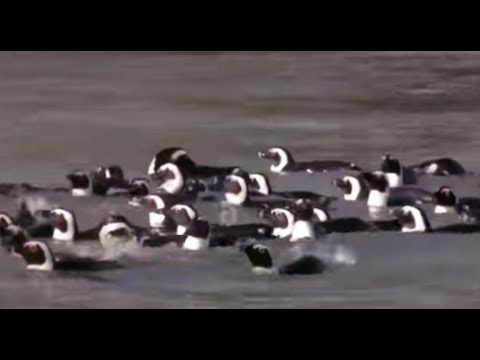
<point>175,183</point>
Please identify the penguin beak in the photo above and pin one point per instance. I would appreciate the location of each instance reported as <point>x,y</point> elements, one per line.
<point>265,155</point>
<point>158,176</point>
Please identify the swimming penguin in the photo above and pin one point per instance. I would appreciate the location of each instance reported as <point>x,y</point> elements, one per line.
<point>283,163</point>
<point>184,215</point>
<point>281,220</point>
<point>260,185</point>
<point>414,220</point>
<point>447,203</point>
<point>397,174</point>
<point>158,217</point>
<point>117,185</point>
<point>284,220</point>
<point>381,195</point>
<point>114,175</point>
<point>236,193</point>
<point>195,237</point>
<point>66,227</point>
<point>303,227</point>
<point>393,171</point>
<point>39,257</point>
<point>294,222</point>
<point>440,167</point>
<point>88,184</point>
<point>36,225</point>
<point>113,231</point>
<point>180,157</point>
<point>262,263</point>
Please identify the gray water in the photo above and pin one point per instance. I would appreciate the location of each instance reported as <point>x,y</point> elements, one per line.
<point>62,111</point>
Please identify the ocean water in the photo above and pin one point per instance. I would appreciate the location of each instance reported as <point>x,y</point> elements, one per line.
<point>61,111</point>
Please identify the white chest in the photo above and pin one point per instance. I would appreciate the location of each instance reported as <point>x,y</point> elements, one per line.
<point>302,230</point>
<point>156,220</point>
<point>377,198</point>
<point>194,243</point>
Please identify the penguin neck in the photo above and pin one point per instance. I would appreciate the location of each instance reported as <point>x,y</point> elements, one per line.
<point>394,180</point>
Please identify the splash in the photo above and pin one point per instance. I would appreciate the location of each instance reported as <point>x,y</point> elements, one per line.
<point>36,203</point>
<point>333,254</point>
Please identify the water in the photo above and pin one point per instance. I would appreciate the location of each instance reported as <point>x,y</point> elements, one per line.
<point>61,111</point>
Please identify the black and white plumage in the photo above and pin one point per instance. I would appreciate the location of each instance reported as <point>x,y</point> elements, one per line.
<point>66,229</point>
<point>185,215</point>
<point>36,225</point>
<point>381,196</point>
<point>440,167</point>
<point>179,156</point>
<point>237,194</point>
<point>195,237</point>
<point>262,263</point>
<point>354,188</point>
<point>39,257</point>
<point>283,163</point>
<point>259,185</point>
<point>446,202</point>
<point>414,220</point>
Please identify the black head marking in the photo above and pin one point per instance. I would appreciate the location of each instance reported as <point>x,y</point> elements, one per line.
<point>139,187</point>
<point>231,186</point>
<point>176,155</point>
<point>304,210</point>
<point>182,216</point>
<point>60,222</point>
<point>33,254</point>
<point>391,165</point>
<point>195,186</point>
<point>243,174</point>
<point>198,228</point>
<point>255,186</point>
<point>113,175</point>
<point>279,219</point>
<point>259,256</point>
<point>273,155</point>
<point>121,232</point>
<point>444,196</point>
<point>343,185</point>
<point>79,180</point>
<point>376,181</point>
<point>164,175</point>
<point>406,218</point>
